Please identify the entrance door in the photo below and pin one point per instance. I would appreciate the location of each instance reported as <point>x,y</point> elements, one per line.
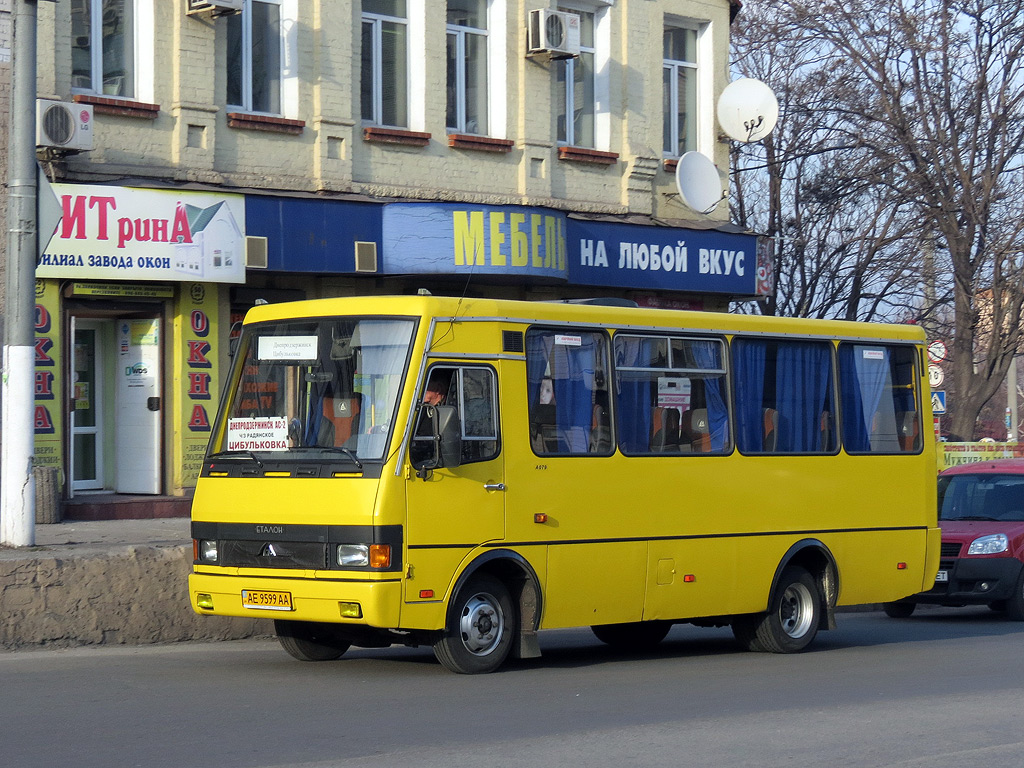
<point>452,510</point>
<point>88,377</point>
<point>137,413</point>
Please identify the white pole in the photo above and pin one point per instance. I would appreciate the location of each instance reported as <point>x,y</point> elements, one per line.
<point>17,486</point>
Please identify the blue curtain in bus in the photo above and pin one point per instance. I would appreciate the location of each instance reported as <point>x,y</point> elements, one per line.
<point>706,353</point>
<point>570,366</point>
<point>802,378</point>
<point>748,358</point>
<point>633,399</point>
<point>863,373</point>
<point>573,397</point>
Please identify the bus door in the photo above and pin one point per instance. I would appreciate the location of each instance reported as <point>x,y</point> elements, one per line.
<point>453,509</point>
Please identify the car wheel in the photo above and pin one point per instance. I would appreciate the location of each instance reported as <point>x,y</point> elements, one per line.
<point>310,640</point>
<point>481,625</point>
<point>1015,605</point>
<point>901,609</point>
<point>634,637</point>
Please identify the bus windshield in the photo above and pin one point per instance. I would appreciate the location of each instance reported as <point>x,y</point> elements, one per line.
<point>324,388</point>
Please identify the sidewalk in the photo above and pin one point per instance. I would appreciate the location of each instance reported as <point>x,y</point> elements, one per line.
<point>106,582</point>
<point>83,536</point>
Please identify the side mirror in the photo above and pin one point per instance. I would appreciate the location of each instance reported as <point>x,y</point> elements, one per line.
<point>448,436</point>
<point>445,438</point>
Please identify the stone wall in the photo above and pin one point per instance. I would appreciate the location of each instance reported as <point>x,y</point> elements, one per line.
<point>129,595</point>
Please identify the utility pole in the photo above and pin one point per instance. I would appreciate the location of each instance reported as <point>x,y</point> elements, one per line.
<point>1011,401</point>
<point>17,487</point>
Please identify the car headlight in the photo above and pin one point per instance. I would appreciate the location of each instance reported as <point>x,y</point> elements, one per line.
<point>353,554</point>
<point>989,545</point>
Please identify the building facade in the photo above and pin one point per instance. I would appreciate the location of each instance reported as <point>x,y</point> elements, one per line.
<point>315,148</point>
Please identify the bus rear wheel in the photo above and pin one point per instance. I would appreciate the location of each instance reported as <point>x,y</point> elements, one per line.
<point>792,619</point>
<point>634,637</point>
<point>310,640</point>
<point>481,624</point>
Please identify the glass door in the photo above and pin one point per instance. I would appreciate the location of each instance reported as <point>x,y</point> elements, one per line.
<point>87,406</point>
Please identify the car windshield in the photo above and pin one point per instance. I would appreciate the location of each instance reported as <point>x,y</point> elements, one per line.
<point>981,497</point>
<point>315,389</point>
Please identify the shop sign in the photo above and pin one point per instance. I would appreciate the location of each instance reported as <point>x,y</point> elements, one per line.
<point>449,239</point>
<point>47,418</point>
<point>122,290</point>
<point>195,369</point>
<point>663,258</point>
<point>122,233</point>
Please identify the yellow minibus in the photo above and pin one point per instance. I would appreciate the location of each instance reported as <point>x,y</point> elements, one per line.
<point>462,473</point>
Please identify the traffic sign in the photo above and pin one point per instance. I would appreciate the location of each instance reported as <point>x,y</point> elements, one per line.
<point>935,376</point>
<point>938,402</point>
<point>937,351</point>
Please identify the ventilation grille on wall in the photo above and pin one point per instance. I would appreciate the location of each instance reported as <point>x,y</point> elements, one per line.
<point>366,257</point>
<point>256,252</point>
<point>512,341</point>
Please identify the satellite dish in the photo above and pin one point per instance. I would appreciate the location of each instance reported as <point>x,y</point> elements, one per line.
<point>748,110</point>
<point>698,182</point>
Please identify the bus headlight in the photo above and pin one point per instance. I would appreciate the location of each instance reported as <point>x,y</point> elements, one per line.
<point>989,545</point>
<point>208,550</point>
<point>353,554</point>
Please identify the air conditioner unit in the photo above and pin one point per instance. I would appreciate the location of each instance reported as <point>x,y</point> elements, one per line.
<point>63,125</point>
<point>553,32</point>
<point>219,7</point>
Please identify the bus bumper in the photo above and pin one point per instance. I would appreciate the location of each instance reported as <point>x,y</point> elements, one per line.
<point>379,602</point>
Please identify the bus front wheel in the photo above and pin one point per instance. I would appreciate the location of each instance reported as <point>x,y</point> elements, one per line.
<point>310,640</point>
<point>481,624</point>
<point>792,619</point>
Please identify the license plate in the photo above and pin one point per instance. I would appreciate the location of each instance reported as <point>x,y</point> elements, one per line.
<point>942,576</point>
<point>265,600</point>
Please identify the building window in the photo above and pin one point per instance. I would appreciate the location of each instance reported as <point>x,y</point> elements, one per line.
<point>467,66</point>
<point>103,47</point>
<point>384,88</point>
<point>679,90</point>
<point>577,93</point>
<point>255,55</point>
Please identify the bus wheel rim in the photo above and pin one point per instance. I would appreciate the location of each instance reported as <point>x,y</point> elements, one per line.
<point>796,611</point>
<point>481,624</point>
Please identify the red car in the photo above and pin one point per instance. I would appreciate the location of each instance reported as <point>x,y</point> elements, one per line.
<point>981,513</point>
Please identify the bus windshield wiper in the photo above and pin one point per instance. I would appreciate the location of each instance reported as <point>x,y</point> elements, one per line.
<point>243,454</point>
<point>332,449</point>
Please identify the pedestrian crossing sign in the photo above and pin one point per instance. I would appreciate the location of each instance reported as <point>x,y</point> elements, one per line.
<point>938,402</point>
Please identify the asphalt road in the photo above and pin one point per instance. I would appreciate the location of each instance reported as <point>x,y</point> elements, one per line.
<point>942,689</point>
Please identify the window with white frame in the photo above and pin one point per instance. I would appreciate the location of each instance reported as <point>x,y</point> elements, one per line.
<point>576,105</point>
<point>679,90</point>
<point>384,88</point>
<point>467,66</point>
<point>255,57</point>
<point>103,34</point>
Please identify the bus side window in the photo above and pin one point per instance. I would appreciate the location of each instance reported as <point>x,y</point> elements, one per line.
<point>567,396</point>
<point>784,395</point>
<point>879,395</point>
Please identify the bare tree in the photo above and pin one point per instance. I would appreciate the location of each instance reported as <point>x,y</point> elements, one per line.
<point>841,245</point>
<point>929,98</point>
